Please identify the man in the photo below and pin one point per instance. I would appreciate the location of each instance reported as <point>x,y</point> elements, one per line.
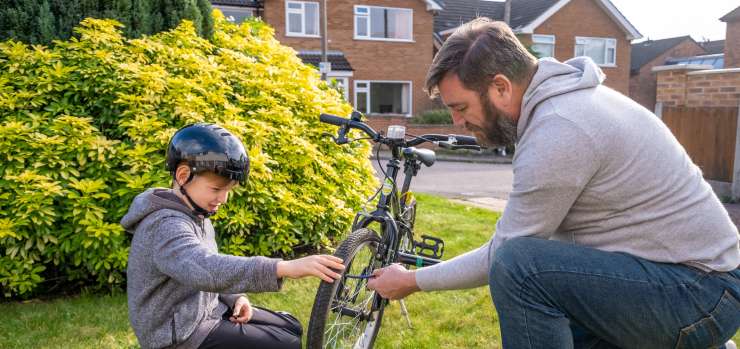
<point>610,238</point>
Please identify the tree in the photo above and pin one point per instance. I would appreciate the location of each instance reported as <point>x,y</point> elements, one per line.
<point>41,21</point>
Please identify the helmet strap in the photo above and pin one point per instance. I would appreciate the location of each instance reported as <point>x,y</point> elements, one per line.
<point>197,210</point>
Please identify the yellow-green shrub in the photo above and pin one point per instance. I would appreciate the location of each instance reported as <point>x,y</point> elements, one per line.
<point>84,125</point>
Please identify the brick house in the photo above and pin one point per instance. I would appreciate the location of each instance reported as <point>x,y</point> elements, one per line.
<point>702,85</point>
<point>732,38</point>
<point>652,53</point>
<point>713,47</point>
<point>380,50</point>
<point>558,28</point>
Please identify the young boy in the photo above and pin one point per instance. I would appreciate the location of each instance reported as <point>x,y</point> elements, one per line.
<point>181,292</point>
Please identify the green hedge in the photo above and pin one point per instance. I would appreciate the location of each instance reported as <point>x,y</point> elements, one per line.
<point>433,117</point>
<point>84,125</point>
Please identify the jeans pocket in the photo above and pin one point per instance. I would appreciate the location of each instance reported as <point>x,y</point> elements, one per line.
<point>714,329</point>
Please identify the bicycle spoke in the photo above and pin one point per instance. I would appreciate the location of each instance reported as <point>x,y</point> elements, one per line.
<point>353,298</point>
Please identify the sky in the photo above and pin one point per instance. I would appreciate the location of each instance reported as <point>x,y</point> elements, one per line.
<point>660,19</point>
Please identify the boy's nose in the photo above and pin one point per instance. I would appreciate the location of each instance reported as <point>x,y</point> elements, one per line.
<point>223,197</point>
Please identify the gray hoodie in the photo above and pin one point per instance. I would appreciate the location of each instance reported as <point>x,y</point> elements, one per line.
<point>594,168</point>
<point>178,283</point>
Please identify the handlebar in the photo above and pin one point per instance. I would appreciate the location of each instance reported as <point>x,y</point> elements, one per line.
<point>334,120</point>
<point>452,142</point>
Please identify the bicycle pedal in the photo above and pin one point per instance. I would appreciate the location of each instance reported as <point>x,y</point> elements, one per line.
<point>429,246</point>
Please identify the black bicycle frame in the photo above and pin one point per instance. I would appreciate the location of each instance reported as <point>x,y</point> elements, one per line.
<point>388,209</point>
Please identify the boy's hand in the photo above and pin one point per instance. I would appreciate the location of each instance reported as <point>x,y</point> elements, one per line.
<point>242,311</point>
<point>318,265</point>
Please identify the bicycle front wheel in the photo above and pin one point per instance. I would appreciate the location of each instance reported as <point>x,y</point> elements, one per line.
<point>346,314</point>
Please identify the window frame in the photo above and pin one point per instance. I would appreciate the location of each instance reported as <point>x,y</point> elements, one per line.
<point>235,8</point>
<point>609,43</point>
<point>547,37</point>
<point>368,100</point>
<point>368,21</point>
<point>302,12</point>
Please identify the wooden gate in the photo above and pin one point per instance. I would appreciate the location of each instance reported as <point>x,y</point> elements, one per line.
<point>708,135</point>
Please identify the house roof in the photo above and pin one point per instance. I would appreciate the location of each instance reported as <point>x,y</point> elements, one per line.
<point>241,3</point>
<point>713,47</point>
<point>336,58</point>
<point>457,12</point>
<point>526,15</point>
<point>644,52</point>
<point>432,5</point>
<point>717,61</point>
<point>732,16</point>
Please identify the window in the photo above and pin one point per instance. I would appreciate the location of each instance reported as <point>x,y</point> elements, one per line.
<point>602,50</point>
<point>544,45</point>
<point>383,23</point>
<point>341,84</point>
<point>383,97</point>
<point>302,18</point>
<point>235,14</point>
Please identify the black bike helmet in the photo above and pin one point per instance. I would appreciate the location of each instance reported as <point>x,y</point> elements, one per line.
<point>207,147</point>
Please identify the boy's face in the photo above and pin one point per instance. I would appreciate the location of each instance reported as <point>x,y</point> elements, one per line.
<point>207,189</point>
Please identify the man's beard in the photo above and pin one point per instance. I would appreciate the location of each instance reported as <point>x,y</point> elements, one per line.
<point>500,132</point>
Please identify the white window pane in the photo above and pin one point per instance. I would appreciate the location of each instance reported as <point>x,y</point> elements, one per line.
<point>294,5</point>
<point>610,55</point>
<point>579,50</point>
<point>377,22</point>
<point>406,99</point>
<point>295,23</point>
<point>361,102</point>
<point>361,26</point>
<point>361,10</point>
<point>312,18</point>
<point>399,24</point>
<point>544,50</point>
<point>543,39</point>
<point>596,48</point>
<point>389,98</point>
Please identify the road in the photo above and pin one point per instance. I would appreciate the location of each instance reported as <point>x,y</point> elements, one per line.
<point>486,185</point>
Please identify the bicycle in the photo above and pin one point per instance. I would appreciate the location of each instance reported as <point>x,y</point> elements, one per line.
<point>346,314</point>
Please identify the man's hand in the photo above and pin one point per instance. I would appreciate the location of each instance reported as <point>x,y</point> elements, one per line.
<point>242,311</point>
<point>393,282</point>
<point>317,265</point>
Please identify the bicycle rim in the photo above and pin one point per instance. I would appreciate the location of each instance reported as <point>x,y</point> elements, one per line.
<point>350,322</point>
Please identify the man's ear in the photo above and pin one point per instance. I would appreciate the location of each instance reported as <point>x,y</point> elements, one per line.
<point>501,91</point>
<point>181,174</point>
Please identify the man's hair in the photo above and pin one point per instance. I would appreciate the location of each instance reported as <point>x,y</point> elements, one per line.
<point>477,51</point>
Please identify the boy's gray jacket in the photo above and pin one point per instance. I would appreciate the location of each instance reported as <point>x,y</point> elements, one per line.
<point>594,168</point>
<point>176,276</point>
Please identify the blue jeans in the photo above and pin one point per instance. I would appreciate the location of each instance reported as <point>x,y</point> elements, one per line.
<point>551,294</point>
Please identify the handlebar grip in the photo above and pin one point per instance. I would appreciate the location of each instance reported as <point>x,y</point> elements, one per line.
<point>334,120</point>
<point>465,140</point>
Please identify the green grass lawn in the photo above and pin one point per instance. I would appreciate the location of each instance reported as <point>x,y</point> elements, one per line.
<point>457,319</point>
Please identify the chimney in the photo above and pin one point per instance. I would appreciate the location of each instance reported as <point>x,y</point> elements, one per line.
<point>507,12</point>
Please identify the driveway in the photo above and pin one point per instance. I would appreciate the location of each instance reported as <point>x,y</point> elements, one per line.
<point>484,185</point>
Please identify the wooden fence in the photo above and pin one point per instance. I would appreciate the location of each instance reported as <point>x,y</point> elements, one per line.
<point>709,135</point>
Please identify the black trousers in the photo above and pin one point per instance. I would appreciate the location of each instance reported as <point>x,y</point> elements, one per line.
<point>266,330</point>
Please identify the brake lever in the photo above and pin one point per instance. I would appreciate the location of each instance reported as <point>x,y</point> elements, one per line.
<point>327,134</point>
